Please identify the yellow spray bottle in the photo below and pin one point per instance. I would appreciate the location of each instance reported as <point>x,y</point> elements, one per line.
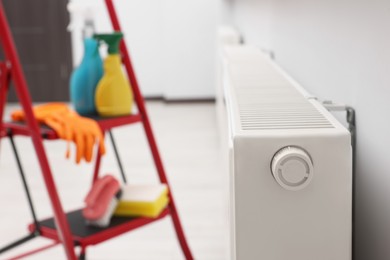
<point>113,94</point>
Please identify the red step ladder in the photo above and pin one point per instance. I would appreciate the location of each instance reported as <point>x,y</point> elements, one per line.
<point>69,229</point>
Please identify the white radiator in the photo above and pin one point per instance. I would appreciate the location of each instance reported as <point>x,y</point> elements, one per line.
<point>290,166</point>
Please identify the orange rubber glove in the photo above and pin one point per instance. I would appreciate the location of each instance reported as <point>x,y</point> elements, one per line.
<point>41,112</point>
<point>68,125</point>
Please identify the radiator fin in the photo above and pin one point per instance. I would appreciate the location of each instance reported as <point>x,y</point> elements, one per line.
<point>266,100</point>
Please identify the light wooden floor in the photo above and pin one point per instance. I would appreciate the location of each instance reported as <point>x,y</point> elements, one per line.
<point>188,141</point>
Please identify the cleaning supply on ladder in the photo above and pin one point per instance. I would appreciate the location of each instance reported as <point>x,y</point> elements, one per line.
<point>142,200</point>
<point>68,125</point>
<point>87,75</point>
<point>113,94</point>
<point>101,201</point>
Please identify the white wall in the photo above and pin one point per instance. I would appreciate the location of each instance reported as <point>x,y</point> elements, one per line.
<point>189,46</point>
<point>171,42</point>
<point>339,50</point>
<point>225,11</point>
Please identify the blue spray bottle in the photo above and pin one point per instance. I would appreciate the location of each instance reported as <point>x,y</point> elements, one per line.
<point>87,75</point>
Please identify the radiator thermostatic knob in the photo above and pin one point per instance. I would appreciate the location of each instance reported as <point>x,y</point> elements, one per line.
<point>292,168</point>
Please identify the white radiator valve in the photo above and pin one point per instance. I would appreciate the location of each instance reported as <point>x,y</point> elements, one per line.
<point>292,168</point>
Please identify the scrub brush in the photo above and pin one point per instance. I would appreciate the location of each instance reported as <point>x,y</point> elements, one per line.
<point>101,201</point>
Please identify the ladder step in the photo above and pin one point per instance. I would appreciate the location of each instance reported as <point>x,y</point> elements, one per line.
<point>87,235</point>
<point>105,123</point>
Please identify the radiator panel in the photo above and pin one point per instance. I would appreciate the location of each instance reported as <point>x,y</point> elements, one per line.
<point>268,112</point>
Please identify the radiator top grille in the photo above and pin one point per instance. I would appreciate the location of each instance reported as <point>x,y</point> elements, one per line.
<point>266,100</point>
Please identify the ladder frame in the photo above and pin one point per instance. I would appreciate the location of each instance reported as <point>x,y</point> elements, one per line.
<point>12,70</point>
